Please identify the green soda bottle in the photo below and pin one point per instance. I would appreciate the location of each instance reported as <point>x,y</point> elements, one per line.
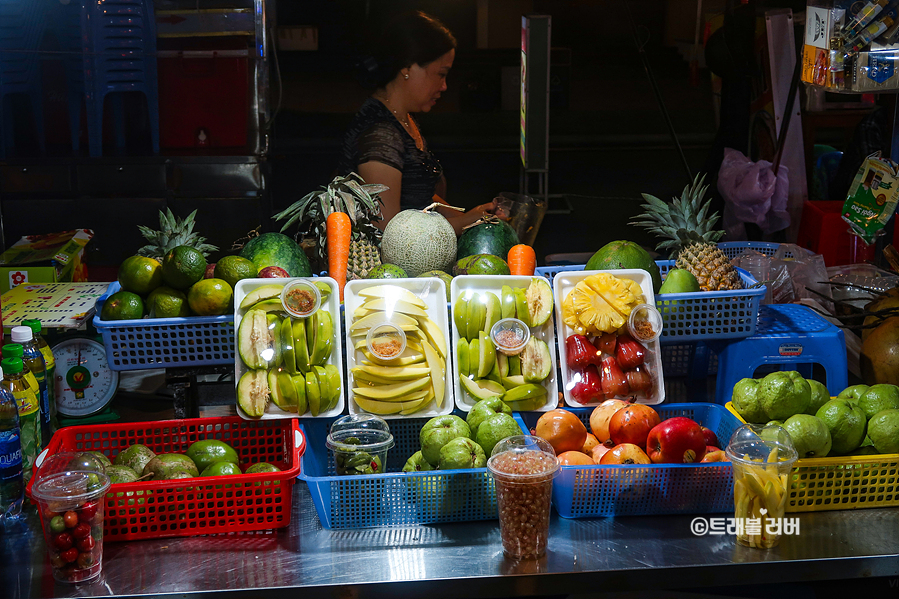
<point>15,380</point>
<point>50,363</point>
<point>34,366</point>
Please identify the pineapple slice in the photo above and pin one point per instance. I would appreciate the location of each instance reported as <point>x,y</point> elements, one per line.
<point>600,304</point>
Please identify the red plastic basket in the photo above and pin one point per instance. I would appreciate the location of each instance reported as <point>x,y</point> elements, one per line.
<point>195,506</point>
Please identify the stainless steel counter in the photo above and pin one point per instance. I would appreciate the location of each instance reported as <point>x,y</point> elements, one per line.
<point>460,560</point>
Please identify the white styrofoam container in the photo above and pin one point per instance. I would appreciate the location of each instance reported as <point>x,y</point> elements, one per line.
<point>432,291</point>
<point>331,304</point>
<point>563,283</point>
<point>481,283</point>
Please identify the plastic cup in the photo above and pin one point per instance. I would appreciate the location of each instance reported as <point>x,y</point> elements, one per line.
<point>69,492</point>
<point>301,298</point>
<point>359,443</point>
<point>386,341</point>
<point>523,468</point>
<point>645,323</point>
<point>762,458</point>
<point>509,336</point>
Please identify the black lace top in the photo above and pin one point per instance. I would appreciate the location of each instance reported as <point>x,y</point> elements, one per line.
<point>375,134</point>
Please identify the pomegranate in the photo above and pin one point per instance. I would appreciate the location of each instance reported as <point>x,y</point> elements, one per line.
<point>599,418</point>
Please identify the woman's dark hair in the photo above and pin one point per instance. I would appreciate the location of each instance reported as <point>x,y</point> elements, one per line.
<point>409,38</point>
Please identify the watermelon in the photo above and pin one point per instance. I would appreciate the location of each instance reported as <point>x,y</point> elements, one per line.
<point>490,237</point>
<point>386,271</point>
<point>276,249</point>
<point>481,264</point>
<point>619,255</point>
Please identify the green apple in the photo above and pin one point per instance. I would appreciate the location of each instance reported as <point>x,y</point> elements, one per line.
<point>281,387</point>
<point>462,358</point>
<point>313,392</point>
<point>299,345</point>
<point>507,299</point>
<point>460,316</point>
<point>299,384</point>
<point>439,431</point>
<point>487,356</point>
<point>477,315</point>
<point>287,351</point>
<point>274,327</point>
<point>474,356</point>
<point>494,311</point>
<point>521,306</point>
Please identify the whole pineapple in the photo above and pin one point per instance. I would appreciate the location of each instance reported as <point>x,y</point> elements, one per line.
<point>360,202</point>
<point>173,232</point>
<point>688,228</point>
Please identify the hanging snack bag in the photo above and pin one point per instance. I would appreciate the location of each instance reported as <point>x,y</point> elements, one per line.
<point>872,197</point>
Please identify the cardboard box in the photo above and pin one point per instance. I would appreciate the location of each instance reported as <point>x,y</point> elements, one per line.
<point>45,259</point>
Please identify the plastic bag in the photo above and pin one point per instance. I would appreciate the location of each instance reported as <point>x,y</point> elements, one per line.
<point>752,194</point>
<point>797,273</point>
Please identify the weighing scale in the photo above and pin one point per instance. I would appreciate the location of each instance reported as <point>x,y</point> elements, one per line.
<point>85,384</point>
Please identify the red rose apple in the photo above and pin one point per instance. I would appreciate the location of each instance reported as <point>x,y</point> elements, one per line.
<point>710,437</point>
<point>273,272</point>
<point>632,424</point>
<point>678,440</point>
<point>626,453</point>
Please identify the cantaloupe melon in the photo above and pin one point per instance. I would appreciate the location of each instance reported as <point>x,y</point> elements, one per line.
<point>418,241</point>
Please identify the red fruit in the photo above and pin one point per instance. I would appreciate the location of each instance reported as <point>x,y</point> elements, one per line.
<point>87,511</point>
<point>273,272</point>
<point>715,456</point>
<point>629,353</point>
<point>574,458</point>
<point>580,352</point>
<point>710,448</point>
<point>601,415</point>
<point>678,440</point>
<point>210,271</point>
<point>63,541</point>
<point>82,530</point>
<point>614,383</point>
<point>710,437</point>
<point>605,343</point>
<point>70,555</point>
<point>85,544</point>
<point>70,519</point>
<point>586,385</point>
<point>599,451</point>
<point>84,560</point>
<point>625,453</point>
<point>632,424</point>
<point>638,380</point>
<point>563,430</point>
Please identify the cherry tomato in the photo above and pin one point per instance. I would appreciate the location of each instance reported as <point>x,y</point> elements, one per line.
<point>88,510</point>
<point>63,541</point>
<point>85,560</point>
<point>57,524</point>
<point>85,544</point>
<point>71,519</point>
<point>70,555</point>
<point>57,562</point>
<point>82,530</point>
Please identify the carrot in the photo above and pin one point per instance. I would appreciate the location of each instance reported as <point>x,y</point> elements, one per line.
<point>522,260</point>
<point>338,230</point>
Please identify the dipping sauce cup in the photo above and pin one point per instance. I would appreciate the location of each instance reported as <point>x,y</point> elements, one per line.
<point>523,468</point>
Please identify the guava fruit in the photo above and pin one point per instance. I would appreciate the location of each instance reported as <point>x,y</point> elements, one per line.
<point>810,435</point>
<point>820,396</point>
<point>494,429</point>
<point>783,394</point>
<point>883,429</point>
<point>847,424</point>
<point>461,453</point>
<point>747,403</point>
<point>879,398</point>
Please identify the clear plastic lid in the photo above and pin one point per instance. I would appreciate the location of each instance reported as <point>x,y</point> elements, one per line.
<point>301,298</point>
<point>70,478</point>
<point>387,341</point>
<point>360,432</point>
<point>523,459</point>
<point>754,444</point>
<point>510,335</point>
<point>645,323</point>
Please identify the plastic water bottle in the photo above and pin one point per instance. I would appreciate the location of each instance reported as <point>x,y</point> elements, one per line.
<point>34,359</point>
<point>12,485</point>
<point>15,381</point>
<point>50,362</point>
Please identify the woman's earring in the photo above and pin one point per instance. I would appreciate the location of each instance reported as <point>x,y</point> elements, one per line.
<point>406,76</point>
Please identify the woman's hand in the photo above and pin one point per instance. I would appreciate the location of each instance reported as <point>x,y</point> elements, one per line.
<point>460,221</point>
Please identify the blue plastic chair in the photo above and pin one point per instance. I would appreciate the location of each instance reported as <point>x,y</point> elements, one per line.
<point>21,32</point>
<point>68,23</point>
<point>790,335</point>
<point>120,57</point>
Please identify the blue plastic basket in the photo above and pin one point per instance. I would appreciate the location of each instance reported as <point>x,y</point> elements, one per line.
<point>165,342</point>
<point>394,498</point>
<point>732,249</point>
<point>594,491</point>
<point>699,316</point>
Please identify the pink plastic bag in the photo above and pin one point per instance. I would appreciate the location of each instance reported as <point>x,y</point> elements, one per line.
<point>752,194</point>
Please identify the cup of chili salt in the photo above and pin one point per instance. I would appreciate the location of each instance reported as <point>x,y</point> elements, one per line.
<point>509,336</point>
<point>301,298</point>
<point>645,323</point>
<point>523,468</point>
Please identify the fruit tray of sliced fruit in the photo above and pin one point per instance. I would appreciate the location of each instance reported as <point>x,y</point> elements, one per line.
<point>503,334</point>
<point>397,354</point>
<point>608,337</point>
<point>289,348</point>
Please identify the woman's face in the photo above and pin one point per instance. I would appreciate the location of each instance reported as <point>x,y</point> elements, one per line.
<point>426,83</point>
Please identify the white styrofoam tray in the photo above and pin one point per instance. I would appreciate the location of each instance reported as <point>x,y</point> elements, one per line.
<point>331,304</point>
<point>432,291</point>
<point>481,283</point>
<point>563,283</point>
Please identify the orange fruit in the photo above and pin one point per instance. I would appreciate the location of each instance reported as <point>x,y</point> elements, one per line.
<point>140,274</point>
<point>599,418</point>
<point>182,266</point>
<point>575,458</point>
<point>122,305</point>
<point>563,430</point>
<point>210,297</point>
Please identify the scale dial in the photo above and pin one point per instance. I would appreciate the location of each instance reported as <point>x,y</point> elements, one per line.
<point>85,384</point>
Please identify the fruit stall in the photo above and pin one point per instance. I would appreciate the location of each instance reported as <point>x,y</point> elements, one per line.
<point>450,419</point>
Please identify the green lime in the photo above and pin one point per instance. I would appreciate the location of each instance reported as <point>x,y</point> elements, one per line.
<point>122,305</point>
<point>183,266</point>
<point>139,274</point>
<point>165,302</point>
<point>210,297</point>
<point>232,269</point>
